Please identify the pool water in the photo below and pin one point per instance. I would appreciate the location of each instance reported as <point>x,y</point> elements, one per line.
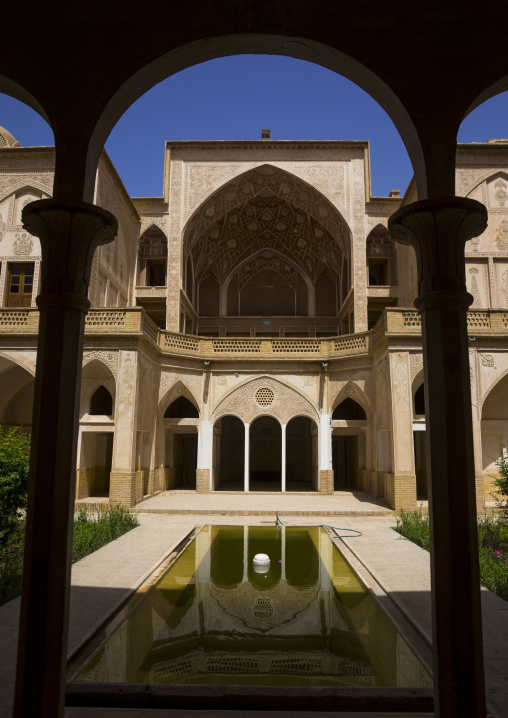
<point>213,619</point>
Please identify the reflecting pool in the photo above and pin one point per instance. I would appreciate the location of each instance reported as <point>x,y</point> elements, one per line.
<point>306,619</point>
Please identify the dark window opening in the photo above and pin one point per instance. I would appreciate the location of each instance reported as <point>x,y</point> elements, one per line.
<point>181,408</point>
<point>348,410</point>
<point>101,402</point>
<point>420,401</point>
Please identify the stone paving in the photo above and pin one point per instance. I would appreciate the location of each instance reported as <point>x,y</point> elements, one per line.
<point>103,580</point>
<point>257,503</point>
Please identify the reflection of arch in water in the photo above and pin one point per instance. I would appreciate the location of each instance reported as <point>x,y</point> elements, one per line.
<point>301,559</point>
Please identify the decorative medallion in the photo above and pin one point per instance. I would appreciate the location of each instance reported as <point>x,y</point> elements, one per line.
<point>264,397</point>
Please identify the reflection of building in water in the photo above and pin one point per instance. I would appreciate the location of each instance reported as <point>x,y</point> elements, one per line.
<point>214,619</point>
<point>254,328</point>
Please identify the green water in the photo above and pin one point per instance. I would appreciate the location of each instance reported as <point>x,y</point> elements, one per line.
<point>211,618</point>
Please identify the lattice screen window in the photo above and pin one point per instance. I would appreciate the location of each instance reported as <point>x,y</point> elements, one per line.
<point>264,397</point>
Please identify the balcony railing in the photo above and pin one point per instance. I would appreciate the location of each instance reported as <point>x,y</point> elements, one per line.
<point>134,321</point>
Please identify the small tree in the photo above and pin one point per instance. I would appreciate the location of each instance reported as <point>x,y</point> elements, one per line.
<point>500,480</point>
<point>14,464</point>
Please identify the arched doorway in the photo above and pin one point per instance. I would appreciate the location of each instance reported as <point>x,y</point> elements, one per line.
<point>494,431</point>
<point>229,454</point>
<point>96,431</point>
<point>301,454</point>
<point>349,422</point>
<point>420,442</point>
<point>181,420</point>
<point>265,456</point>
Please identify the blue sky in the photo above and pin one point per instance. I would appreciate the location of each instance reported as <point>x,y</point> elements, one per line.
<point>233,98</point>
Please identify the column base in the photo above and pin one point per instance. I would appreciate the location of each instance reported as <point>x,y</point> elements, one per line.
<point>82,491</point>
<point>122,488</point>
<point>401,491</point>
<point>202,481</point>
<point>480,492</point>
<point>326,479</point>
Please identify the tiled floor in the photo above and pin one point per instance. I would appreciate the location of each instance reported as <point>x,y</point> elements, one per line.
<point>103,580</point>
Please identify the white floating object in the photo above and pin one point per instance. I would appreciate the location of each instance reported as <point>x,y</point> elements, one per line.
<point>261,563</point>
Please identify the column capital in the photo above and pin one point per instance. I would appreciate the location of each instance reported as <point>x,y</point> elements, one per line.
<point>69,233</point>
<point>438,230</point>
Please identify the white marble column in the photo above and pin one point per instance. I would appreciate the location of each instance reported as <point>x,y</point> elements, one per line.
<point>246,459</point>
<point>205,445</point>
<point>283,459</point>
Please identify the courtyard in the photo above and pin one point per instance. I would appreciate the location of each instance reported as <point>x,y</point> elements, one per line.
<point>396,571</point>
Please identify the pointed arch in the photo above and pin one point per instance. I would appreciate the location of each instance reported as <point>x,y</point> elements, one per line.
<point>236,191</point>
<point>101,402</point>
<point>94,375</point>
<point>179,388</point>
<point>286,403</point>
<point>353,391</point>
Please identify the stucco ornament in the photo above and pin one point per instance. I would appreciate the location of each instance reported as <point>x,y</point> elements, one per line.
<point>287,402</point>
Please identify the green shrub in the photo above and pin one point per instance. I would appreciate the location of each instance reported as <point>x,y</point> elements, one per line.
<point>93,532</point>
<point>492,546</point>
<point>500,480</point>
<point>14,465</point>
<point>415,527</point>
<point>90,533</point>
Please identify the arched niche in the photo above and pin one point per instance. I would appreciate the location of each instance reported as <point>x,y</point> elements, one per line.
<point>349,410</point>
<point>381,258</point>
<point>266,237</point>
<point>101,402</point>
<point>152,258</point>
<point>16,394</point>
<point>326,295</point>
<point>229,454</point>
<point>95,375</point>
<point>181,408</point>
<point>208,293</point>
<point>494,424</point>
<point>301,454</point>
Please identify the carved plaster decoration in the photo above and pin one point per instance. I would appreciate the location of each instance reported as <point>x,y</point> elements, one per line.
<point>23,245</point>
<point>415,365</point>
<point>352,390</point>
<point>287,402</point>
<point>173,384</point>
<point>473,271</point>
<point>110,359</point>
<point>500,194</point>
<point>2,228</point>
<point>487,360</point>
<point>399,380</point>
<point>504,284</point>
<point>502,235</point>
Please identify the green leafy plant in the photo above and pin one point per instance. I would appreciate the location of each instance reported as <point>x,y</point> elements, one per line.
<point>14,465</point>
<point>492,546</point>
<point>91,531</point>
<point>500,480</point>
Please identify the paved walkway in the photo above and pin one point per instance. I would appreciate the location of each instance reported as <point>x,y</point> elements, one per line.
<point>258,504</point>
<point>105,579</point>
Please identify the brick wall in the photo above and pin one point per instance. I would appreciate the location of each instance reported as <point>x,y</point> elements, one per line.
<point>326,482</point>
